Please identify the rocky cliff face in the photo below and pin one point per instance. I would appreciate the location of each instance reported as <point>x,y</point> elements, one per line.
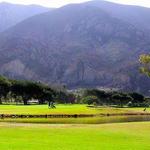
<point>78,45</point>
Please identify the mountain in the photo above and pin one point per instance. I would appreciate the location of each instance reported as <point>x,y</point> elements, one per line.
<point>11,14</point>
<point>135,15</point>
<point>79,45</point>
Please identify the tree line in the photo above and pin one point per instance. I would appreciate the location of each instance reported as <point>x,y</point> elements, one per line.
<point>24,92</point>
<point>114,98</point>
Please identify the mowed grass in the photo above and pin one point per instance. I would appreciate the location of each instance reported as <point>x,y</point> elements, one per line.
<point>122,136</point>
<point>61,109</point>
<point>70,109</point>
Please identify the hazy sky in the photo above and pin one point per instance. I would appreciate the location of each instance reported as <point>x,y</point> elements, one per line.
<point>58,3</point>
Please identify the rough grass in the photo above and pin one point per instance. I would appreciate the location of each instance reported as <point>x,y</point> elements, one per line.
<point>61,109</point>
<point>126,136</point>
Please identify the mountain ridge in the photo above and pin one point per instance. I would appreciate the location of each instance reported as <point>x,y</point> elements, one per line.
<point>78,45</point>
<point>11,14</point>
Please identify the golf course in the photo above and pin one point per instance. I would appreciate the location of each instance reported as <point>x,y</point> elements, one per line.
<point>119,132</point>
<point>62,109</point>
<point>71,114</point>
<point>121,136</point>
<point>36,116</point>
<point>74,75</point>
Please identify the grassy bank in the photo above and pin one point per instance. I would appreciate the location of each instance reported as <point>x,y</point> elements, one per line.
<point>126,136</point>
<point>85,120</point>
<point>66,111</point>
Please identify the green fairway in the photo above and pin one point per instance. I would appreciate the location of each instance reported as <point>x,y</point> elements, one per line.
<point>71,109</point>
<point>126,136</point>
<point>62,109</point>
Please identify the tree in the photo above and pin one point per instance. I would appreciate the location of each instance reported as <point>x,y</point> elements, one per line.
<point>62,97</point>
<point>137,98</point>
<point>121,99</point>
<point>25,90</point>
<point>4,87</point>
<point>90,100</point>
<point>19,88</point>
<point>48,96</point>
<point>100,94</point>
<point>71,98</point>
<point>145,61</point>
<point>31,90</point>
<point>35,90</point>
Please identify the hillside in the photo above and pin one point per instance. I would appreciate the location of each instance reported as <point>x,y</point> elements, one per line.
<point>11,14</point>
<point>135,15</point>
<point>78,45</point>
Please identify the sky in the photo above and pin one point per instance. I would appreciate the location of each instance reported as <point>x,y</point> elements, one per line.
<point>59,3</point>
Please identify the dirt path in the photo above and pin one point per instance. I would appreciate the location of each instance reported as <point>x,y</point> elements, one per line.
<point>33,125</point>
<point>30,125</point>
